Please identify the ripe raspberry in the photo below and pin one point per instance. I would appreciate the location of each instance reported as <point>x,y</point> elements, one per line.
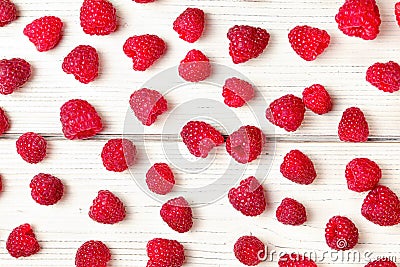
<point>144,50</point>
<point>144,1</point>
<point>79,120</point>
<point>4,122</point>
<point>249,250</point>
<point>317,99</point>
<point>286,112</point>
<point>384,76</point>
<point>46,189</point>
<point>160,179</point>
<point>190,24</point>
<point>341,233</point>
<point>397,12</point>
<point>165,253</point>
<point>92,254</point>
<point>118,154</point>
<point>245,144</point>
<point>362,174</point>
<point>1,184</point>
<point>200,138</point>
<point>246,42</point>
<point>248,197</point>
<point>83,63</point>
<point>147,105</point>
<point>359,18</point>
<point>14,73</point>
<point>237,92</point>
<point>291,212</point>
<point>31,147</point>
<point>295,260</point>
<point>308,42</point>
<point>44,32</point>
<point>298,168</point>
<point>107,208</point>
<point>195,67</point>
<point>353,127</point>
<point>177,214</point>
<point>381,263</point>
<point>98,17</point>
<point>22,242</point>
<point>8,12</point>
<point>381,206</point>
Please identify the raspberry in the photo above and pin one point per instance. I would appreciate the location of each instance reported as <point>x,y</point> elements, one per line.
<point>248,197</point>
<point>98,17</point>
<point>384,76</point>
<point>195,67</point>
<point>79,120</point>
<point>237,92</point>
<point>353,127</point>
<point>31,147</point>
<point>291,212</point>
<point>341,233</point>
<point>286,112</point>
<point>22,242</point>
<point>381,206</point>
<point>308,42</point>
<point>190,24</point>
<point>381,263</point>
<point>8,12</point>
<point>4,122</point>
<point>107,208</point>
<point>396,12</point>
<point>362,174</point>
<point>246,42</point>
<point>298,168</point>
<point>295,260</point>
<point>46,189</point>
<point>177,214</point>
<point>44,32</point>
<point>249,250</point>
<point>14,73</point>
<point>147,105</point>
<point>317,99</point>
<point>144,50</point>
<point>144,1</point>
<point>1,184</point>
<point>359,18</point>
<point>160,179</point>
<point>83,63</point>
<point>200,138</point>
<point>245,144</point>
<point>118,154</point>
<point>165,253</point>
<point>92,254</point>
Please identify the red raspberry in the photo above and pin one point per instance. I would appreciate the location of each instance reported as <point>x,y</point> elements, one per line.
<point>14,73</point>
<point>195,67</point>
<point>384,76</point>
<point>107,208</point>
<point>98,17</point>
<point>362,174</point>
<point>308,42</point>
<point>295,260</point>
<point>92,254</point>
<point>381,263</point>
<point>165,253</point>
<point>200,138</point>
<point>249,250</point>
<point>245,144</point>
<point>44,32</point>
<point>359,18</point>
<point>83,63</point>
<point>317,99</point>
<point>291,212</point>
<point>286,112</point>
<point>353,127</point>
<point>341,233</point>
<point>246,42</point>
<point>237,92</point>
<point>31,147</point>
<point>248,197</point>
<point>177,214</point>
<point>118,154</point>
<point>8,12</point>
<point>4,122</point>
<point>22,242</point>
<point>190,24</point>
<point>147,105</point>
<point>397,12</point>
<point>144,1</point>
<point>46,189</point>
<point>160,179</point>
<point>79,120</point>
<point>381,206</point>
<point>298,168</point>
<point>144,50</point>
